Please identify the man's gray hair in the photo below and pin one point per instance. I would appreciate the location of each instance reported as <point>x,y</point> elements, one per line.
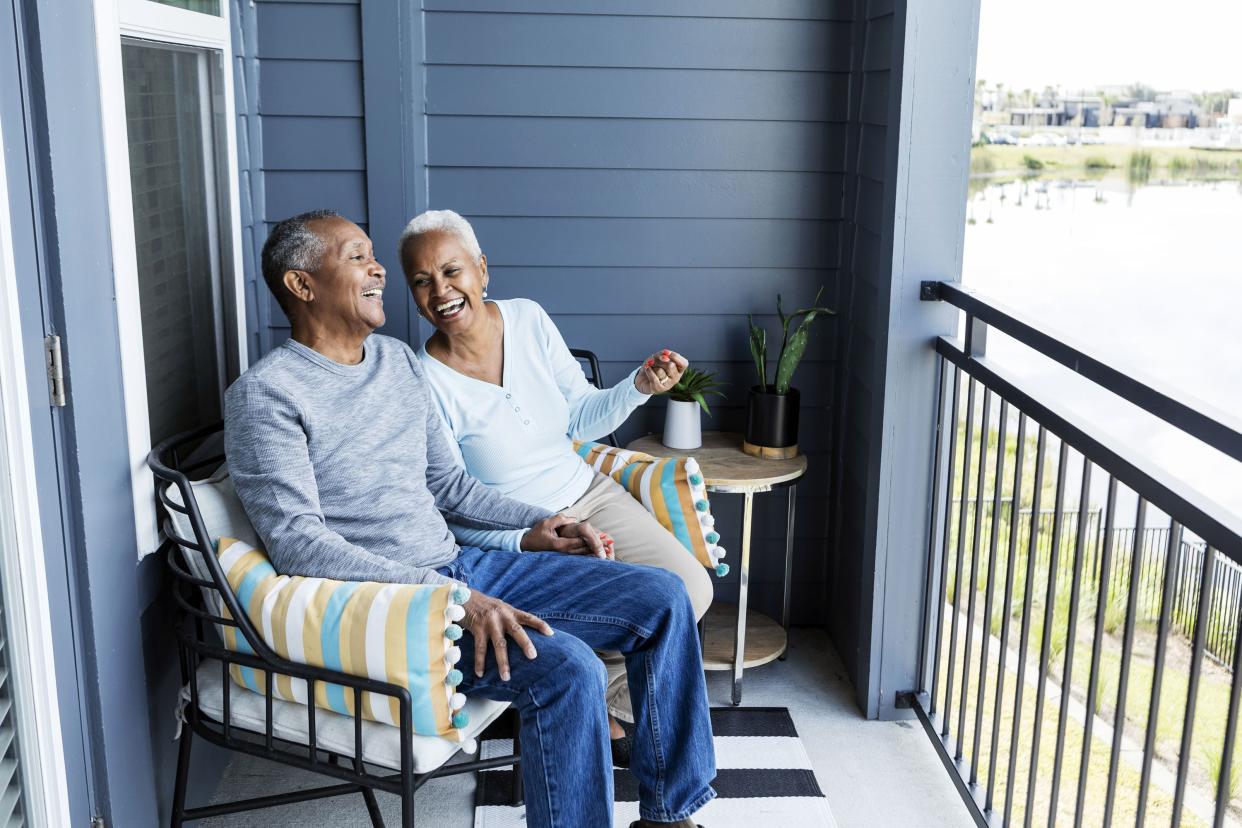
<point>442,221</point>
<point>292,245</point>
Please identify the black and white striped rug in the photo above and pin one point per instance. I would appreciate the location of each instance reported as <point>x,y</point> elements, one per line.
<point>764,777</point>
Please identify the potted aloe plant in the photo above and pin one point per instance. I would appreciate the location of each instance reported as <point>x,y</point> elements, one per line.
<point>772,424</point>
<point>682,428</point>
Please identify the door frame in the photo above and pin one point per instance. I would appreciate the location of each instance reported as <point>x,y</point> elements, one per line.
<point>25,575</point>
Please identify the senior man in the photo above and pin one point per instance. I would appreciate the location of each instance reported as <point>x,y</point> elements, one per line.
<point>343,467</point>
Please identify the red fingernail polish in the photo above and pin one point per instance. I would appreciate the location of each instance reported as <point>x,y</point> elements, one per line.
<point>665,352</point>
<point>650,362</point>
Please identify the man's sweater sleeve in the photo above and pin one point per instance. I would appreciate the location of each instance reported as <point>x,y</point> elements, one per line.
<point>265,442</point>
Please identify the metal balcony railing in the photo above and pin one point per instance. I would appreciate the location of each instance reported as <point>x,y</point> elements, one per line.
<point>1075,670</point>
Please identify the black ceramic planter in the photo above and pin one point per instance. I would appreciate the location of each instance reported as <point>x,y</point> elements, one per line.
<point>772,425</point>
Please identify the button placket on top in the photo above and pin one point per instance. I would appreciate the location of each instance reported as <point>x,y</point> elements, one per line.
<point>517,409</point>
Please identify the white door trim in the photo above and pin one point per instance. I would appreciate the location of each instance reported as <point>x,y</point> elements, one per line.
<point>25,578</point>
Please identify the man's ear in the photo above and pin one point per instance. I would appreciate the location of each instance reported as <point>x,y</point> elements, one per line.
<point>297,282</point>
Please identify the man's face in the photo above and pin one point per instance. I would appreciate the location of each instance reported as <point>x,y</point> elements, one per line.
<point>348,285</point>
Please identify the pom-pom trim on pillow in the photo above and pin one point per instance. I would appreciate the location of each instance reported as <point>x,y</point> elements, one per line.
<point>399,633</point>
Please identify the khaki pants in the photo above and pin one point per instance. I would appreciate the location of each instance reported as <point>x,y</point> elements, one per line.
<point>638,539</point>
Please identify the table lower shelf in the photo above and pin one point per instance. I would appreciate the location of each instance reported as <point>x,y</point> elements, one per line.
<point>765,638</point>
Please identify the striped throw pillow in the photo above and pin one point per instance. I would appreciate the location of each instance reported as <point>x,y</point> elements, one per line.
<point>671,489</point>
<point>398,633</point>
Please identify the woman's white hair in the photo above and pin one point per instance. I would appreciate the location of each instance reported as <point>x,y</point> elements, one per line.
<point>441,221</point>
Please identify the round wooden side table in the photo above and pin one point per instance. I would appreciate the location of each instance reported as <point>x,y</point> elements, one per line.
<point>729,470</point>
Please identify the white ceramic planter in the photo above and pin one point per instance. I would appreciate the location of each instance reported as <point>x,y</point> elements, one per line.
<point>681,425</point>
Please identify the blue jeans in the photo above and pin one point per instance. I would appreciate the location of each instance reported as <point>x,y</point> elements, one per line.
<point>592,604</point>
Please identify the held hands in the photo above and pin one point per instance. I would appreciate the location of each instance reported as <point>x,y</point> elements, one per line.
<point>564,534</point>
<point>489,621</point>
<point>661,372</point>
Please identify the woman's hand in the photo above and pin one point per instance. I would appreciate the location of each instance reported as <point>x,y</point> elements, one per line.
<point>661,372</point>
<point>489,621</point>
<point>560,533</point>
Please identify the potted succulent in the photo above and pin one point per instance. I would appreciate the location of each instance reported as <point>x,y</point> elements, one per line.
<point>681,420</point>
<point>772,424</point>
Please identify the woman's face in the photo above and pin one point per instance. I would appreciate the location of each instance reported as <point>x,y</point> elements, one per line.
<point>446,281</point>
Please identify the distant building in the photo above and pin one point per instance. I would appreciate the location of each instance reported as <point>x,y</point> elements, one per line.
<point>1037,116</point>
<point>1084,110</point>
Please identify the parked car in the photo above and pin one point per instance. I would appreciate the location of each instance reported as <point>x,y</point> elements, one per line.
<point>1045,139</point>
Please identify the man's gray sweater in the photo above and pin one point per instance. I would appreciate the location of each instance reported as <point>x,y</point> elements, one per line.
<point>344,469</point>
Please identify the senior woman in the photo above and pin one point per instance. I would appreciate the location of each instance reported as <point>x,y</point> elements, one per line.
<point>514,398</point>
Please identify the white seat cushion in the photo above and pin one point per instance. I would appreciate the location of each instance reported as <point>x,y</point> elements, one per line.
<point>381,743</point>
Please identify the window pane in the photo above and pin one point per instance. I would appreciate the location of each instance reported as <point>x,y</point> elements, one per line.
<point>172,149</point>
<point>204,6</point>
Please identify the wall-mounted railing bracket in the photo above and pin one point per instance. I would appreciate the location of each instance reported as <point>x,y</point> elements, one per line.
<point>929,291</point>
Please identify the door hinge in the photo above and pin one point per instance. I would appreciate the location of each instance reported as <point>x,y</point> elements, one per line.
<point>98,822</point>
<point>55,370</point>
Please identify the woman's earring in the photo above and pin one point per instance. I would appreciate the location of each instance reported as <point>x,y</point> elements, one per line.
<point>485,294</point>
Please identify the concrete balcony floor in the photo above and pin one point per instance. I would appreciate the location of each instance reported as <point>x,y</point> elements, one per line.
<point>875,774</point>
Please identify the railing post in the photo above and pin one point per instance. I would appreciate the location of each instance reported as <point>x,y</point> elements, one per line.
<point>976,337</point>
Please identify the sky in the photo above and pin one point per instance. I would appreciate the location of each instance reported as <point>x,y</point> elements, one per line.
<point>1082,44</point>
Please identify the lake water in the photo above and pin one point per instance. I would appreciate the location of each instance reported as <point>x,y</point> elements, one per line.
<point>1147,276</point>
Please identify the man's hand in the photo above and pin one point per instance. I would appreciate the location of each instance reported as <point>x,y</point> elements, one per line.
<point>564,534</point>
<point>489,621</point>
<point>661,372</point>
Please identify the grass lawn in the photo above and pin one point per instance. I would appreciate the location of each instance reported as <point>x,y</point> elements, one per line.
<point>1210,713</point>
<point>1211,710</point>
<point>998,159</point>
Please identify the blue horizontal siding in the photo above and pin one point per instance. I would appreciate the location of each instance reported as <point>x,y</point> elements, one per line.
<point>295,192</point>
<point>708,291</point>
<point>640,193</point>
<point>638,42</point>
<point>739,376</point>
<point>314,143</point>
<point>648,143</point>
<point>632,337</point>
<point>633,93</point>
<point>310,87</point>
<point>636,242</point>
<point>327,31</point>
<point>776,9</point>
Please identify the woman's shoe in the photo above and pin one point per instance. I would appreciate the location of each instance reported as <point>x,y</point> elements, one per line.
<point>623,747</point>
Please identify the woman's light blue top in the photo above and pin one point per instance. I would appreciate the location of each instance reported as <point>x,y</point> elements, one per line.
<point>517,436</point>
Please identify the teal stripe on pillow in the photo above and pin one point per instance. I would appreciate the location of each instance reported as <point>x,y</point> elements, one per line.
<point>672,502</point>
<point>416,639</point>
<point>627,473</point>
<point>330,641</point>
<point>245,593</point>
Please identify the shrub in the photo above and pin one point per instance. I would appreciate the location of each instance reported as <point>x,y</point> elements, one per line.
<point>1097,162</point>
<point>1032,163</point>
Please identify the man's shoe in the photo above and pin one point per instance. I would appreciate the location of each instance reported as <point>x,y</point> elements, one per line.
<point>642,823</point>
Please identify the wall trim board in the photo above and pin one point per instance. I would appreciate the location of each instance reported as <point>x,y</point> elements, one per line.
<point>925,241</point>
<point>395,130</point>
